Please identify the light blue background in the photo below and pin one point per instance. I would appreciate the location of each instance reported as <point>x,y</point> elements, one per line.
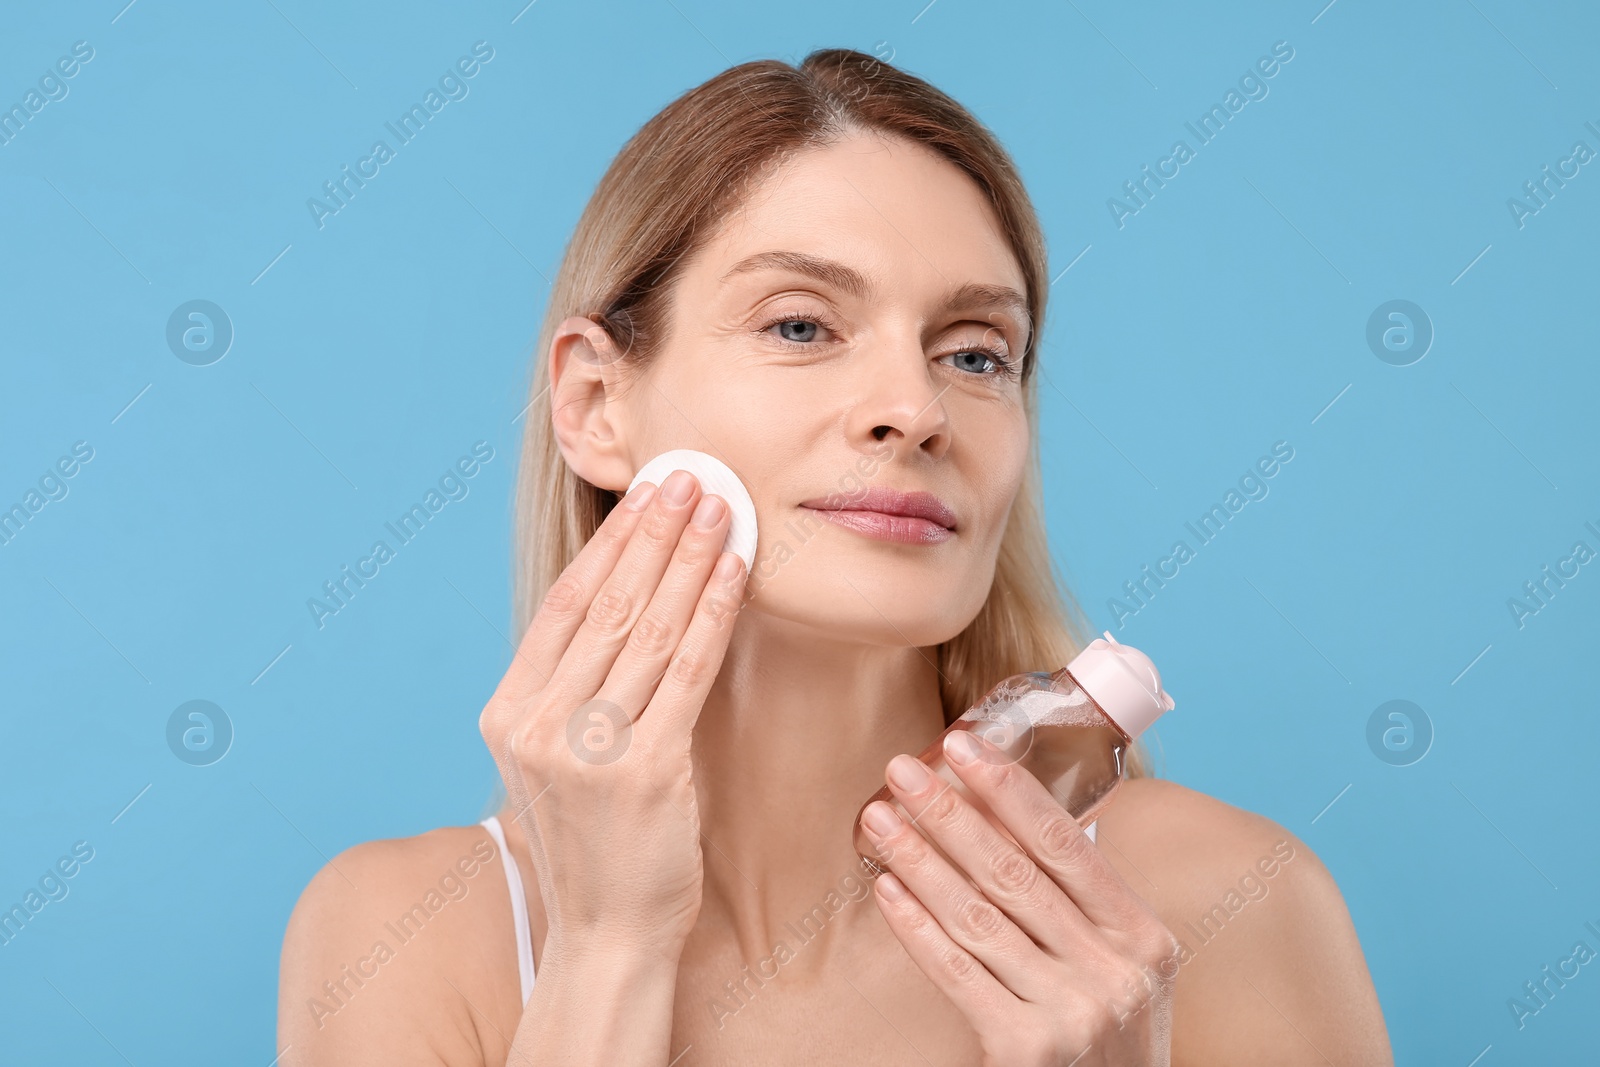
<point>1228,314</point>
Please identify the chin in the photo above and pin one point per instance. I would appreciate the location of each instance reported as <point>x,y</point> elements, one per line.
<point>869,597</point>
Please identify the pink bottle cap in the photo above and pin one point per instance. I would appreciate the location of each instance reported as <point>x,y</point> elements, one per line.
<point>1123,682</point>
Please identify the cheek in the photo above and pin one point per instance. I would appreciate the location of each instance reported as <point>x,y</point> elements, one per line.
<point>996,464</point>
<point>745,420</point>
<point>689,404</point>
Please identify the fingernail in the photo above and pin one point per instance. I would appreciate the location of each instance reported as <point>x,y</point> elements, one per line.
<point>960,748</point>
<point>728,566</point>
<point>640,495</point>
<point>893,888</point>
<point>707,512</point>
<point>881,819</point>
<point>678,488</point>
<point>909,773</point>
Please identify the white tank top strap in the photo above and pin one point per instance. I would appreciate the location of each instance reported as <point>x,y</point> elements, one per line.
<point>1089,830</point>
<point>519,907</point>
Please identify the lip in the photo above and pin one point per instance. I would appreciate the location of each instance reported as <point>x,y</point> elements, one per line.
<point>889,515</point>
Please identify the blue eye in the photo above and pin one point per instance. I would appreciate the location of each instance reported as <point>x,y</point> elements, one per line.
<point>981,355</point>
<point>801,331</point>
<point>1004,368</point>
<point>810,334</point>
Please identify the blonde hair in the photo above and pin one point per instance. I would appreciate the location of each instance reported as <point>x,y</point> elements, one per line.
<point>662,198</point>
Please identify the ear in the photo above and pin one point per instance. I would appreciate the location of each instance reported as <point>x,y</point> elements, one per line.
<point>586,411</point>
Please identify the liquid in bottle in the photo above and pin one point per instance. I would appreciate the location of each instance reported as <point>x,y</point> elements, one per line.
<point>1071,729</point>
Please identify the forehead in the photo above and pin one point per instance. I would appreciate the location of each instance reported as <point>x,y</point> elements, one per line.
<point>906,219</point>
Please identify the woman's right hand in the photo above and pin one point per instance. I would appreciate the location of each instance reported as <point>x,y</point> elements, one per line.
<point>591,724</point>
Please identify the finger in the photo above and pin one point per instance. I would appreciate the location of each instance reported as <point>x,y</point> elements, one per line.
<point>958,975</point>
<point>1047,832</point>
<point>539,653</point>
<point>567,601</point>
<point>967,917</point>
<point>664,622</point>
<point>623,594</point>
<point>681,693</point>
<point>1002,872</point>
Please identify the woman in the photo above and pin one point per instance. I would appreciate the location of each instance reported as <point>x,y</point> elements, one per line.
<point>831,278</point>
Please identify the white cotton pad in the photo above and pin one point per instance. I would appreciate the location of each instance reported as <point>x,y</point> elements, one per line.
<point>716,477</point>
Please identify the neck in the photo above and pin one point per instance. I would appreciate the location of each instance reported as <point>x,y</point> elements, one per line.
<point>792,739</point>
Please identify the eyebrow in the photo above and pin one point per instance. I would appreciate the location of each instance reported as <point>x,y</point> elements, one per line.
<point>851,281</point>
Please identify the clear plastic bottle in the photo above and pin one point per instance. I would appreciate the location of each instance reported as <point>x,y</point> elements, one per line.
<point>1071,729</point>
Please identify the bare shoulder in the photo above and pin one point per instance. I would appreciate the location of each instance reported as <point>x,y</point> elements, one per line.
<point>1271,966</point>
<point>1156,812</point>
<point>1185,852</point>
<point>401,951</point>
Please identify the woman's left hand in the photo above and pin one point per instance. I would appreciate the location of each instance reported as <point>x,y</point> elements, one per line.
<point>1048,952</point>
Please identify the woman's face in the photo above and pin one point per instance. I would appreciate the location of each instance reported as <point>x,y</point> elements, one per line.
<point>848,331</point>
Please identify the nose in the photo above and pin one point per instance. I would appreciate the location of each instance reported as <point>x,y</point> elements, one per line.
<point>901,402</point>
